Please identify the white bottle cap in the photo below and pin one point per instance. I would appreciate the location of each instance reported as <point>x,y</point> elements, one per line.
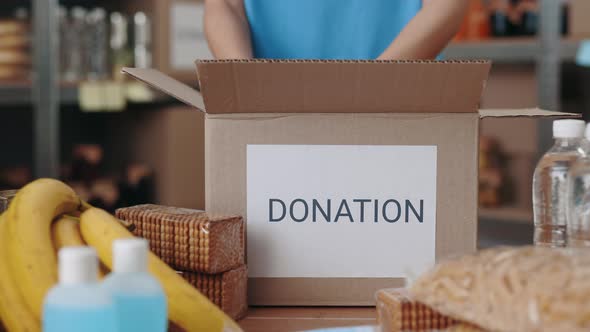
<point>588,132</point>
<point>568,128</point>
<point>130,255</point>
<point>78,13</point>
<point>77,265</point>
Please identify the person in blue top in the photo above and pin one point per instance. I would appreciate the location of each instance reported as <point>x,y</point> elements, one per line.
<point>331,29</point>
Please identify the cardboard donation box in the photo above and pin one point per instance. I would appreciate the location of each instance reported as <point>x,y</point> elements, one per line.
<point>351,175</point>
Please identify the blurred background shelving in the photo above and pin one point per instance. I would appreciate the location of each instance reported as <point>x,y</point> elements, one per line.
<point>509,50</point>
<point>534,66</point>
<point>51,132</point>
<point>20,93</point>
<point>118,148</point>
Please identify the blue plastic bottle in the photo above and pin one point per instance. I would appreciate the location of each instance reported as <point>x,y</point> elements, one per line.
<point>140,302</point>
<point>78,303</point>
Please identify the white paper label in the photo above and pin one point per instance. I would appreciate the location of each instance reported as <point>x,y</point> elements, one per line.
<point>340,210</point>
<point>187,37</point>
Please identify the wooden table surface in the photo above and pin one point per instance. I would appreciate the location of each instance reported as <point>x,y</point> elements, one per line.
<point>281,319</point>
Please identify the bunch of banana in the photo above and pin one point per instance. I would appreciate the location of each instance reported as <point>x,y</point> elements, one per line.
<point>47,215</point>
<point>65,231</point>
<point>14,311</point>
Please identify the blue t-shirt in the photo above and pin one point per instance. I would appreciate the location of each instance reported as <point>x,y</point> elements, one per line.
<point>326,29</point>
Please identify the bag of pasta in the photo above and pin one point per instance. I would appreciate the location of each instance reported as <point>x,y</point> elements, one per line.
<point>512,289</point>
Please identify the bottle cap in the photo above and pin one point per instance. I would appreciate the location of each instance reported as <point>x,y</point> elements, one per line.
<point>568,128</point>
<point>78,13</point>
<point>130,255</point>
<point>97,14</point>
<point>77,265</point>
<point>118,30</point>
<point>142,28</point>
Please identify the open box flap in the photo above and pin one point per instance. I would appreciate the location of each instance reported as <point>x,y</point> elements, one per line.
<point>337,86</point>
<point>168,85</point>
<point>524,113</point>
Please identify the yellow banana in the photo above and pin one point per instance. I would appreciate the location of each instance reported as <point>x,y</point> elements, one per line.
<point>66,233</point>
<point>14,311</point>
<point>29,216</point>
<point>187,307</point>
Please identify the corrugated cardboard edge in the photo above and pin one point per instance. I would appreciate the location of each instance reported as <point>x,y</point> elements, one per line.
<point>192,97</point>
<point>524,113</point>
<point>341,86</point>
<point>168,85</point>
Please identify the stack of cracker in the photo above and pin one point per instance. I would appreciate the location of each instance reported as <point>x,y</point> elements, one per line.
<point>397,312</point>
<point>15,59</point>
<point>208,251</point>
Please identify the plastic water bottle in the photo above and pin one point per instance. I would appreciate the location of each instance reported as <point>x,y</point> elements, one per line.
<point>550,183</point>
<point>140,302</point>
<point>578,226</point>
<point>77,303</point>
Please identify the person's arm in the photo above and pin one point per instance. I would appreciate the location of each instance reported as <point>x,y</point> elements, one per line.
<point>429,32</point>
<point>227,29</point>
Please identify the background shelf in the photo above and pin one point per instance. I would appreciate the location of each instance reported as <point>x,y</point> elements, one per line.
<point>508,50</point>
<point>514,214</point>
<point>21,94</point>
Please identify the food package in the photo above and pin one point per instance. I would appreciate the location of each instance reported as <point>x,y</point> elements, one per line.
<point>464,327</point>
<point>11,72</point>
<point>512,289</point>
<point>228,290</point>
<point>365,328</point>
<point>13,27</point>
<point>14,41</point>
<point>15,55</point>
<point>397,311</point>
<point>189,240</point>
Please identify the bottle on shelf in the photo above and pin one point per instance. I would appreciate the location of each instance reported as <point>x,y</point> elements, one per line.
<point>63,26</point>
<point>142,32</point>
<point>550,183</point>
<point>499,18</point>
<point>578,223</point>
<point>78,303</point>
<point>121,55</point>
<point>478,26</point>
<point>140,302</point>
<point>530,17</point>
<point>73,30</point>
<point>97,41</point>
